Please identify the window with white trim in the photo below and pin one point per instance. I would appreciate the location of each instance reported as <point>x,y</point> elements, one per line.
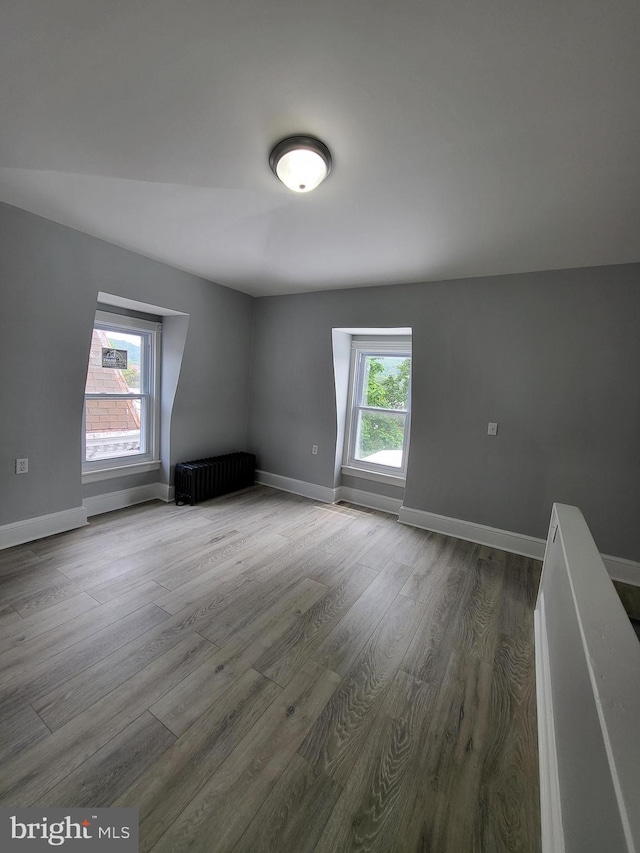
<point>121,409</point>
<point>380,407</point>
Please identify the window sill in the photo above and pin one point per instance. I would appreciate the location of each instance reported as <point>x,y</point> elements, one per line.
<point>376,476</point>
<point>97,474</point>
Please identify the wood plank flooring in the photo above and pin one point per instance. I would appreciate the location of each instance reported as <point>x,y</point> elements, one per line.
<point>264,673</point>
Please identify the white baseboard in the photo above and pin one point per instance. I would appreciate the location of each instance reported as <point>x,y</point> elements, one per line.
<point>297,487</point>
<point>619,568</point>
<point>369,499</point>
<point>19,532</point>
<point>515,543</point>
<point>623,570</point>
<point>126,497</point>
<point>166,492</point>
<point>328,495</point>
<point>550,809</point>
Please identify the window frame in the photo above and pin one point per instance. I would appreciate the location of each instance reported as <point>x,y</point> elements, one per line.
<point>360,349</point>
<point>151,333</point>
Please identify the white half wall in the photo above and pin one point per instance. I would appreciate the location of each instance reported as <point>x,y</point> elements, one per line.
<point>588,676</point>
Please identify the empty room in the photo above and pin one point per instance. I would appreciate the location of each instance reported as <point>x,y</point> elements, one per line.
<point>320,426</point>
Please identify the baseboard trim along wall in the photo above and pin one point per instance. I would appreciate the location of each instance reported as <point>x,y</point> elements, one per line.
<point>127,497</point>
<point>327,495</point>
<point>166,492</point>
<point>19,532</point>
<point>298,487</point>
<point>623,570</point>
<point>515,543</point>
<point>618,568</point>
<point>369,499</point>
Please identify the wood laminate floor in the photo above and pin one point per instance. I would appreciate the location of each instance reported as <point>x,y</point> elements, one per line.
<point>264,673</point>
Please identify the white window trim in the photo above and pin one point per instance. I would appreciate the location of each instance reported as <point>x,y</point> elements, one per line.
<point>375,476</point>
<point>97,474</point>
<point>356,467</point>
<point>105,469</point>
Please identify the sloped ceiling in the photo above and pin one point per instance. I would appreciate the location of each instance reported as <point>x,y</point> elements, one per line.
<point>468,138</point>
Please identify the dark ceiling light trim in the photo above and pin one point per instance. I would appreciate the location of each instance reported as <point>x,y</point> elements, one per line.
<point>301,162</point>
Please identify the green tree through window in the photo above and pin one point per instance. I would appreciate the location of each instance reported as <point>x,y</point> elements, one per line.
<point>386,387</point>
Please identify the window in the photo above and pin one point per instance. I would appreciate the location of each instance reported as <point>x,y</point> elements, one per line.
<point>121,417</point>
<point>380,406</point>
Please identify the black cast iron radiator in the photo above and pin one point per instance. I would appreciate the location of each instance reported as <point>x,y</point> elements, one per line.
<point>206,478</point>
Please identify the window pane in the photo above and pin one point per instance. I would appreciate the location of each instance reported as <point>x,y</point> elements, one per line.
<point>380,438</point>
<point>113,428</point>
<point>386,381</point>
<point>114,346</point>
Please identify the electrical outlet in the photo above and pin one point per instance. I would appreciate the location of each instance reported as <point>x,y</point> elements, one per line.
<point>314,449</point>
<point>493,429</point>
<point>22,466</point>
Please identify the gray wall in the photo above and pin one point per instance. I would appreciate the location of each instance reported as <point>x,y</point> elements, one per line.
<point>553,357</point>
<point>49,281</point>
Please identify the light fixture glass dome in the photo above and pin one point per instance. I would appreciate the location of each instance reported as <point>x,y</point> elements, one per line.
<point>301,163</point>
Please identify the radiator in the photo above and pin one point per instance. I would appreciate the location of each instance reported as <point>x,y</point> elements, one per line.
<point>206,478</point>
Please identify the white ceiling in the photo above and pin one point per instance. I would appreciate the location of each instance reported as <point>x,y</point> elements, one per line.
<point>469,138</point>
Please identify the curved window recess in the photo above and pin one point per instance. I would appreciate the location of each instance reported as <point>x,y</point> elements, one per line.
<point>150,445</point>
<point>373,391</point>
<point>122,394</point>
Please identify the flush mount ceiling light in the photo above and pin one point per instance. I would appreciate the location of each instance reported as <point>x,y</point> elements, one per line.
<point>301,162</point>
